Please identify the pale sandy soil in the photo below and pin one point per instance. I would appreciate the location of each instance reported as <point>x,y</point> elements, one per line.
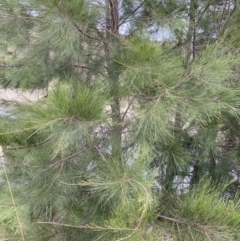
<point>16,95</point>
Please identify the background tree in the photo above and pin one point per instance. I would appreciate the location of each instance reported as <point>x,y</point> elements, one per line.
<point>137,138</point>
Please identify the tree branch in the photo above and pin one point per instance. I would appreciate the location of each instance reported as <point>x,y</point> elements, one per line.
<point>197,225</point>
<point>126,18</point>
<point>85,34</point>
<point>129,106</point>
<point>81,66</point>
<point>65,159</point>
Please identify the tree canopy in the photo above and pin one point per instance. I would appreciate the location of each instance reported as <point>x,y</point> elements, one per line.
<point>137,136</point>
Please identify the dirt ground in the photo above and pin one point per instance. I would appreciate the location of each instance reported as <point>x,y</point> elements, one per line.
<point>16,95</point>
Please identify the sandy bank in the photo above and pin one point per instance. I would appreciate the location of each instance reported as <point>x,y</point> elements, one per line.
<point>17,95</point>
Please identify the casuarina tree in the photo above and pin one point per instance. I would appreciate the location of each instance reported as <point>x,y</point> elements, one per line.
<point>136,134</point>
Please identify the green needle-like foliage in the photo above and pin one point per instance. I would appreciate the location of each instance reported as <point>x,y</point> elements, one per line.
<point>136,134</point>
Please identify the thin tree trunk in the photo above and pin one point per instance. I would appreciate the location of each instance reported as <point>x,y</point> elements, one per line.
<point>191,34</point>
<point>112,32</point>
<point>190,42</point>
